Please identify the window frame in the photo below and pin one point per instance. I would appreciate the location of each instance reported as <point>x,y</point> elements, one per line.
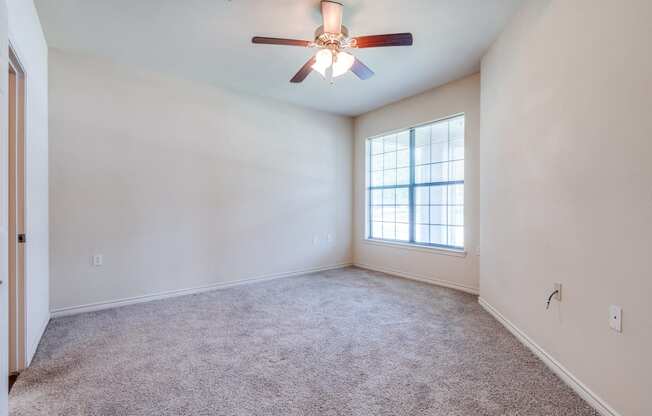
<point>412,186</point>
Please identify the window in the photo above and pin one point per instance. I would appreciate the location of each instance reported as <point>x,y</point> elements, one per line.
<point>415,185</point>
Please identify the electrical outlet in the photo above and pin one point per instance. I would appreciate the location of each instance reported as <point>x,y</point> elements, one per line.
<point>616,318</point>
<point>97,260</point>
<point>557,288</point>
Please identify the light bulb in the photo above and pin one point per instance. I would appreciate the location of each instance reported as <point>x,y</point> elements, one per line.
<point>342,64</point>
<point>323,60</point>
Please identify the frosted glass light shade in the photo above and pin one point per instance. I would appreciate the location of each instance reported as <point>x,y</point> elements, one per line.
<point>323,60</point>
<point>342,64</point>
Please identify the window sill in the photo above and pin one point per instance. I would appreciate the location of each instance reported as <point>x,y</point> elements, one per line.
<point>416,247</point>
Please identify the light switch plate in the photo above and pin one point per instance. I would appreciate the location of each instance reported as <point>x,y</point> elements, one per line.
<point>616,318</point>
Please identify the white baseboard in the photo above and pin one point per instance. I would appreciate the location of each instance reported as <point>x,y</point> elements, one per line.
<point>425,279</point>
<point>580,388</point>
<point>91,307</point>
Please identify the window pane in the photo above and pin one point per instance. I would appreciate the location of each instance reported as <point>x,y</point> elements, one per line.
<point>421,212</point>
<point>377,162</point>
<point>438,235</point>
<point>422,155</point>
<point>422,136</point>
<point>439,152</point>
<point>456,215</point>
<point>422,174</point>
<point>390,143</point>
<point>422,233</point>
<point>403,158</point>
<point>376,146</point>
<point>421,196</point>
<point>438,195</point>
<point>457,171</point>
<point>457,149</point>
<point>377,197</point>
<point>438,214</point>
<point>377,178</point>
<point>403,176</point>
<point>389,160</point>
<point>389,230</point>
<point>402,196</point>
<point>389,196</point>
<point>456,236</point>
<point>377,230</point>
<point>389,213</point>
<point>376,213</point>
<point>403,214</point>
<point>439,172</point>
<point>456,127</point>
<point>389,177</point>
<point>456,194</point>
<point>403,140</point>
<point>402,232</point>
<point>440,132</point>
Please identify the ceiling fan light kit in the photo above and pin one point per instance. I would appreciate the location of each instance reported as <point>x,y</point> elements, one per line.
<point>332,39</point>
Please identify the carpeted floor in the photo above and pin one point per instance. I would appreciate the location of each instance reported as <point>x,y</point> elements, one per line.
<point>343,342</point>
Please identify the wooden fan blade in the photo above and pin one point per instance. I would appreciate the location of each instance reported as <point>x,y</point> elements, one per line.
<point>375,41</point>
<point>304,71</point>
<point>361,70</point>
<point>280,41</point>
<point>331,11</point>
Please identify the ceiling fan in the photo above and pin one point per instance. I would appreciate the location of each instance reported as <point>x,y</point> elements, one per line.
<point>332,38</point>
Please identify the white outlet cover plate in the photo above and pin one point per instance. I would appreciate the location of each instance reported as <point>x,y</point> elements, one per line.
<point>616,318</point>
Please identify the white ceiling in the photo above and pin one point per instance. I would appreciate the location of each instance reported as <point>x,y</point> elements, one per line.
<point>210,41</point>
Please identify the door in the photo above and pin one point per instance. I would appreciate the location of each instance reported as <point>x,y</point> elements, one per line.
<point>16,214</point>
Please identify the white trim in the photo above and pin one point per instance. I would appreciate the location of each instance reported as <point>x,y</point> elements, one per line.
<point>573,382</point>
<point>91,307</point>
<point>420,278</point>
<point>416,247</point>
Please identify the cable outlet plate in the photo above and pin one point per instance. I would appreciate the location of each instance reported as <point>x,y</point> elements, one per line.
<point>557,288</point>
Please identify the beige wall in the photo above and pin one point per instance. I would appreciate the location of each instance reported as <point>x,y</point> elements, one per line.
<point>461,272</point>
<point>566,191</point>
<point>181,185</point>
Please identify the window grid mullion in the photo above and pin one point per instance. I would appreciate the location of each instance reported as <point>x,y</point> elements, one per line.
<point>448,177</point>
<point>370,192</point>
<point>411,215</point>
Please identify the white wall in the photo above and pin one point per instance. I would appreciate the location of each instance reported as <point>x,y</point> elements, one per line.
<point>566,191</point>
<point>181,185</point>
<point>4,212</point>
<point>27,39</point>
<point>19,23</point>
<point>462,96</point>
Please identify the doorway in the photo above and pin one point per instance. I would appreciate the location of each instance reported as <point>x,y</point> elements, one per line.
<point>16,215</point>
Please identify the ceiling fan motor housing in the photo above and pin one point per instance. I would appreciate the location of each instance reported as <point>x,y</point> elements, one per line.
<point>333,41</point>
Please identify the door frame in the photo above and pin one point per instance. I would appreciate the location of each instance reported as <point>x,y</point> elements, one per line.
<point>16,170</point>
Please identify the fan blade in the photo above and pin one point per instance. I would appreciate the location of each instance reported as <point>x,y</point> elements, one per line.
<point>331,11</point>
<point>304,71</point>
<point>375,41</point>
<point>280,41</point>
<point>361,70</point>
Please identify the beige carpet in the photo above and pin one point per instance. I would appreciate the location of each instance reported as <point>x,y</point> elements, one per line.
<point>343,342</point>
